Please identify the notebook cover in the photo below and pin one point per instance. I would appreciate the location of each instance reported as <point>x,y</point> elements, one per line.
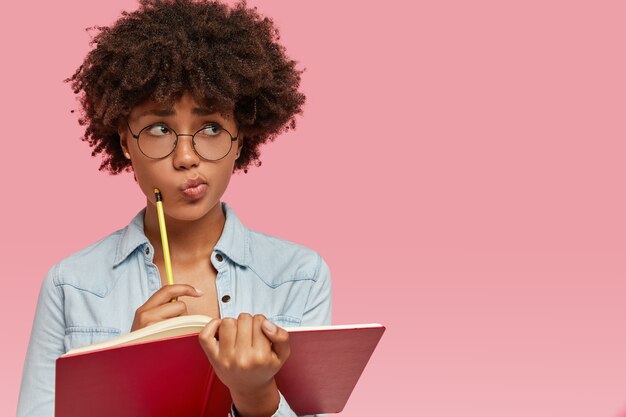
<point>171,376</point>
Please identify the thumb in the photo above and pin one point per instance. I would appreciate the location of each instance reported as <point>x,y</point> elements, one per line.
<point>279,338</point>
<point>209,339</point>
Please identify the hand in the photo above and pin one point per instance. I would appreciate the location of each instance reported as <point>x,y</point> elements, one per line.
<point>246,353</point>
<point>159,307</point>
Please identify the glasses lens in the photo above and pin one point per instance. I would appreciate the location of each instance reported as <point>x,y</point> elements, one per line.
<point>156,141</point>
<point>213,142</point>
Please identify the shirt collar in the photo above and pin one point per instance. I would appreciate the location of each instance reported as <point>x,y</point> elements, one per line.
<point>234,241</point>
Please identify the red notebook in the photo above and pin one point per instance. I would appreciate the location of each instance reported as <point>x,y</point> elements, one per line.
<point>173,377</point>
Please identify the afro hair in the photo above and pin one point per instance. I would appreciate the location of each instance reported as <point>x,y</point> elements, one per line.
<point>227,57</point>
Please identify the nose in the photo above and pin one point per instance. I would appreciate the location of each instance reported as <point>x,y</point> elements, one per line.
<point>185,156</point>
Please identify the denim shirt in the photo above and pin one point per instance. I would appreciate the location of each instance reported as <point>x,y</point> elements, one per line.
<point>92,295</point>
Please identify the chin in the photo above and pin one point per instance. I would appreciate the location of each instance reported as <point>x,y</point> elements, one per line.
<point>192,211</point>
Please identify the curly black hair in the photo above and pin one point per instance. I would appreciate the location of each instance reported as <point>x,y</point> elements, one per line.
<point>227,57</point>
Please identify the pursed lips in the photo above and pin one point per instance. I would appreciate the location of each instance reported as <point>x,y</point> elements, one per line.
<point>192,183</point>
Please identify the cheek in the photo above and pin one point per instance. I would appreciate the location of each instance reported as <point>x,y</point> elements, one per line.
<point>146,179</point>
<point>219,183</point>
<point>218,177</point>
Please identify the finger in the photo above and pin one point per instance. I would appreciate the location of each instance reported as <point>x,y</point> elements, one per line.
<point>259,340</point>
<point>208,339</point>
<point>166,293</point>
<point>244,332</point>
<point>227,334</point>
<point>279,338</point>
<point>168,310</point>
<point>160,313</point>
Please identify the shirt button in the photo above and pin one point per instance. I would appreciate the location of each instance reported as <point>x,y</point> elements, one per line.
<point>147,250</point>
<point>219,257</point>
<point>225,298</point>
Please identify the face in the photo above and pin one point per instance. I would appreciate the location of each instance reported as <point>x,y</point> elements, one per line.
<point>190,185</point>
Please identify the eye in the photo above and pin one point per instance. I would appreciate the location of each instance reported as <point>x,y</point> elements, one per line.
<point>158,130</point>
<point>211,129</point>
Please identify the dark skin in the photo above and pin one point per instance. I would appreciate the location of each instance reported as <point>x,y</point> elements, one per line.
<point>245,352</point>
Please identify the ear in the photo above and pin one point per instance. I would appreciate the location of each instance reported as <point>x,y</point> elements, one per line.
<point>123,134</point>
<point>239,146</point>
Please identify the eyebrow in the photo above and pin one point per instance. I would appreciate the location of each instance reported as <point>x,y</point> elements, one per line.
<point>199,111</point>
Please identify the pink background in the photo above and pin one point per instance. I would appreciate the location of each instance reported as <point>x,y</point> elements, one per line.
<point>460,165</point>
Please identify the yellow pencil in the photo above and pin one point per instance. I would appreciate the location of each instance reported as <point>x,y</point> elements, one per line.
<point>163,230</point>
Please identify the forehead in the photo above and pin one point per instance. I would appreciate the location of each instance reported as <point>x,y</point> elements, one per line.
<point>186,104</point>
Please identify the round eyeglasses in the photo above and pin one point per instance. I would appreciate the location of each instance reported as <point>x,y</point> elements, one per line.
<point>156,141</point>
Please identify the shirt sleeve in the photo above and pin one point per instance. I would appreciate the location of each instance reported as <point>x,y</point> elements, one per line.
<point>46,344</point>
<point>318,312</point>
<point>283,410</point>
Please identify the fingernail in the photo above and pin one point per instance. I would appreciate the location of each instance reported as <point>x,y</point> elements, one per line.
<point>269,326</point>
<point>199,291</point>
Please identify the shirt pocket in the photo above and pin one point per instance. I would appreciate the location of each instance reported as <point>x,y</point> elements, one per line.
<point>79,336</point>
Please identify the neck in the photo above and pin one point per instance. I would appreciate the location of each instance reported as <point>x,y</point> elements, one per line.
<point>188,240</point>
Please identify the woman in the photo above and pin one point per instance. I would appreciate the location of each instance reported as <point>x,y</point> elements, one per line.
<point>183,94</point>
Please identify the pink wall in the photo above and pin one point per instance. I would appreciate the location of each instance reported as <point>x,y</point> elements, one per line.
<point>460,165</point>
